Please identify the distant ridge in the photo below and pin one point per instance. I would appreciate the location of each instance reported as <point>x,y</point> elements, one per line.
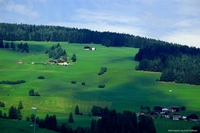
<point>27,32</point>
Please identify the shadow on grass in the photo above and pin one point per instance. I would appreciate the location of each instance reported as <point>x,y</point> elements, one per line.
<point>37,48</point>
<point>132,94</point>
<point>121,59</point>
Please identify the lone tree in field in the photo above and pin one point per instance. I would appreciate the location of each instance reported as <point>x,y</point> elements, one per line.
<point>20,106</point>
<point>70,120</point>
<point>77,110</point>
<point>73,58</point>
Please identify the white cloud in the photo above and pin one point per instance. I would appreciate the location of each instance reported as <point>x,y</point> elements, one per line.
<point>104,21</point>
<point>21,9</point>
<point>185,27</point>
<point>184,37</point>
<point>103,16</point>
<point>188,7</point>
<point>103,26</point>
<point>183,23</point>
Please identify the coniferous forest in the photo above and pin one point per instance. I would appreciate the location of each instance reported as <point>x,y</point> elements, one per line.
<point>25,32</point>
<point>177,63</point>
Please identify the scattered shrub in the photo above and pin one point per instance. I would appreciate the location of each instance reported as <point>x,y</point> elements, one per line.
<point>36,94</point>
<point>73,82</point>
<point>83,83</point>
<point>41,77</point>
<point>101,86</point>
<point>31,92</point>
<point>102,71</point>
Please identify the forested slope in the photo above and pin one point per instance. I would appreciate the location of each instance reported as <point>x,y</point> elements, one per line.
<point>177,63</point>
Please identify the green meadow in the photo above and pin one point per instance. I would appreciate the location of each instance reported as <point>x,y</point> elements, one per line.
<point>125,88</point>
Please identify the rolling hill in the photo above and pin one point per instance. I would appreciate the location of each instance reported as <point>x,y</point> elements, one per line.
<point>125,88</point>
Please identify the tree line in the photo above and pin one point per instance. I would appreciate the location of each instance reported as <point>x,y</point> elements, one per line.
<point>109,121</point>
<point>13,113</point>
<point>26,32</point>
<point>19,48</point>
<point>12,82</point>
<point>177,63</point>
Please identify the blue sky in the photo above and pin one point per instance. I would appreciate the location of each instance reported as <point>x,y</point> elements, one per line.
<point>175,21</point>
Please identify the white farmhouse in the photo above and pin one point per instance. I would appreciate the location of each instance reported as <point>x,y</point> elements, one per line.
<point>62,63</point>
<point>93,48</point>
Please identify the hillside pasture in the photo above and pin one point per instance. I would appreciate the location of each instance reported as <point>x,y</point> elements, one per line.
<point>125,88</point>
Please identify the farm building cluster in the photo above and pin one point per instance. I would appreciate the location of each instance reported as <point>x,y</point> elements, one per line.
<point>58,62</point>
<point>51,62</point>
<point>89,48</point>
<point>171,112</point>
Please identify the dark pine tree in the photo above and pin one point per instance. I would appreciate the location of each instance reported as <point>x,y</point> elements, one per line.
<point>77,110</point>
<point>7,45</point>
<point>1,43</point>
<point>12,113</point>
<point>146,124</point>
<point>20,106</point>
<point>73,58</point>
<point>25,48</point>
<point>4,115</point>
<point>19,115</point>
<point>32,117</point>
<point>12,45</point>
<point>71,119</point>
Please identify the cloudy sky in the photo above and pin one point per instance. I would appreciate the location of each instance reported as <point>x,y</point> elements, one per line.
<point>175,21</point>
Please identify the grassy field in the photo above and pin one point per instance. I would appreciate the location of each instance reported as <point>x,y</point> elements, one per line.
<point>126,88</point>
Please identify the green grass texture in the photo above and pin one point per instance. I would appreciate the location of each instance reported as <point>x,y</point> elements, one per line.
<point>125,88</point>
